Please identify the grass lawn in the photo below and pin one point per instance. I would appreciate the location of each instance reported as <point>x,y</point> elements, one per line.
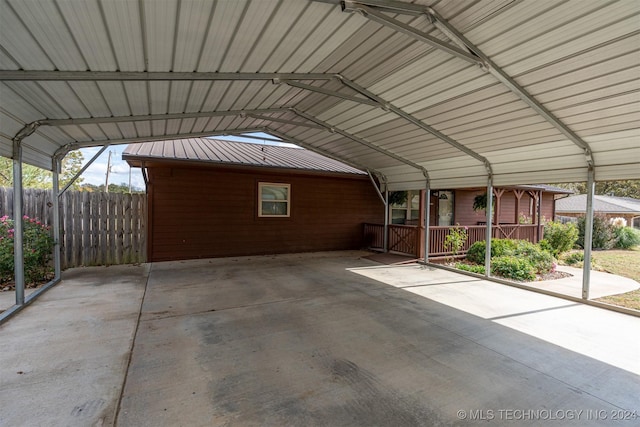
<point>623,263</point>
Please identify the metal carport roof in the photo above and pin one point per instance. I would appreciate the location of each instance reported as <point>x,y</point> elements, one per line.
<point>440,94</point>
<point>529,91</point>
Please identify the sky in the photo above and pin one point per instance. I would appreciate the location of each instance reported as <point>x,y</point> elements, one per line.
<point>96,173</point>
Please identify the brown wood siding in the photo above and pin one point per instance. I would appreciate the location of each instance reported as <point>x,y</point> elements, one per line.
<point>200,212</point>
<point>548,206</point>
<point>464,213</point>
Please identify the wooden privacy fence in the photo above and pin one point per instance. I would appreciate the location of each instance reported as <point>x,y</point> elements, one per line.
<point>96,228</point>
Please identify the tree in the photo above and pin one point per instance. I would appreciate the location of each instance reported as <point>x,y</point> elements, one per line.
<point>626,188</point>
<point>35,177</point>
<point>32,177</point>
<point>71,165</point>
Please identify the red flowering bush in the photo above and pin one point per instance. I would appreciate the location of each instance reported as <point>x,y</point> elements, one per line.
<point>38,250</point>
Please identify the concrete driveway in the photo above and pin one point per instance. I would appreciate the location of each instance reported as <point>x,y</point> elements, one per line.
<point>329,339</point>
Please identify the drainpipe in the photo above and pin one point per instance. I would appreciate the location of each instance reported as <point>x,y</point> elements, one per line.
<point>489,212</point>
<point>588,233</point>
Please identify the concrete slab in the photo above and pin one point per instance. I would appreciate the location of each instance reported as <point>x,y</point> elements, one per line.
<point>64,358</point>
<point>602,284</point>
<point>328,339</point>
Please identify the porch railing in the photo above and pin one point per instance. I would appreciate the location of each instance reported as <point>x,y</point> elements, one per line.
<point>406,238</point>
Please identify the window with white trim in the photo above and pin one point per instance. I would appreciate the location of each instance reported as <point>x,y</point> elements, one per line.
<point>274,200</point>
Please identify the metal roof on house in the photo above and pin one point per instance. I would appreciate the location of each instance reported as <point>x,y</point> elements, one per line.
<point>523,91</point>
<point>601,204</point>
<point>216,151</point>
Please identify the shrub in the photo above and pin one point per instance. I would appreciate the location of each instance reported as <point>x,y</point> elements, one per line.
<point>479,269</point>
<point>560,237</point>
<point>603,235</point>
<point>499,247</point>
<point>512,267</point>
<point>538,259</point>
<point>38,248</point>
<point>542,261</point>
<point>626,237</point>
<point>574,258</point>
<point>455,240</point>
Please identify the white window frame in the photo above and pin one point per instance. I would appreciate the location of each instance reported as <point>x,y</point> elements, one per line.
<point>261,185</point>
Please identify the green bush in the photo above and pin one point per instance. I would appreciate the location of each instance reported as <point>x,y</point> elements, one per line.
<point>603,235</point>
<point>38,249</point>
<point>541,260</point>
<point>499,247</point>
<point>513,267</point>
<point>574,258</point>
<point>479,269</point>
<point>626,237</point>
<point>560,237</point>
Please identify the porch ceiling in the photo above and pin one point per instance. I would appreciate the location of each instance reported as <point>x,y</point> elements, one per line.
<point>531,91</point>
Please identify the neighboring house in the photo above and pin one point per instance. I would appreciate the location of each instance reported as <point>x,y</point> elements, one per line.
<point>212,198</point>
<point>609,206</point>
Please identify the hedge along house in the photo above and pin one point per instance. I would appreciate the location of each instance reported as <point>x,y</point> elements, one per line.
<point>248,199</point>
<point>427,94</point>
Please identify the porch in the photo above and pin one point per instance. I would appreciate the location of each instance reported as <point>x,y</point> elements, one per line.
<point>408,239</point>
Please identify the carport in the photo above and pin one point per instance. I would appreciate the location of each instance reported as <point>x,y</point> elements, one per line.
<point>422,95</point>
<point>433,95</point>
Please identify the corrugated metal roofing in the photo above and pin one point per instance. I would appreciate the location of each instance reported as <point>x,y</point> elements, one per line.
<point>379,96</point>
<point>217,151</point>
<point>603,204</point>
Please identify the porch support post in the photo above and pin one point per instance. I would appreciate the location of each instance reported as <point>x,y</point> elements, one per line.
<point>588,234</point>
<point>540,228</point>
<point>57,269</point>
<point>489,212</point>
<point>386,218</point>
<point>518,196</point>
<point>18,249</point>
<point>427,214</point>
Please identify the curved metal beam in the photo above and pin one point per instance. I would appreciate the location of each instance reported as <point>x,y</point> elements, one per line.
<point>21,75</point>
<point>466,50</point>
<point>399,112</point>
<point>75,145</point>
<point>455,35</point>
<point>320,151</point>
<point>360,141</point>
<point>150,117</point>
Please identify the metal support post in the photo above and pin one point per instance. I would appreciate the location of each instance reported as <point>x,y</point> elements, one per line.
<point>588,234</point>
<point>18,249</point>
<point>427,209</point>
<point>489,211</point>
<point>57,266</point>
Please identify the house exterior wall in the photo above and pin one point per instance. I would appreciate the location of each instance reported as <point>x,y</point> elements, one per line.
<point>465,215</point>
<point>206,212</point>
